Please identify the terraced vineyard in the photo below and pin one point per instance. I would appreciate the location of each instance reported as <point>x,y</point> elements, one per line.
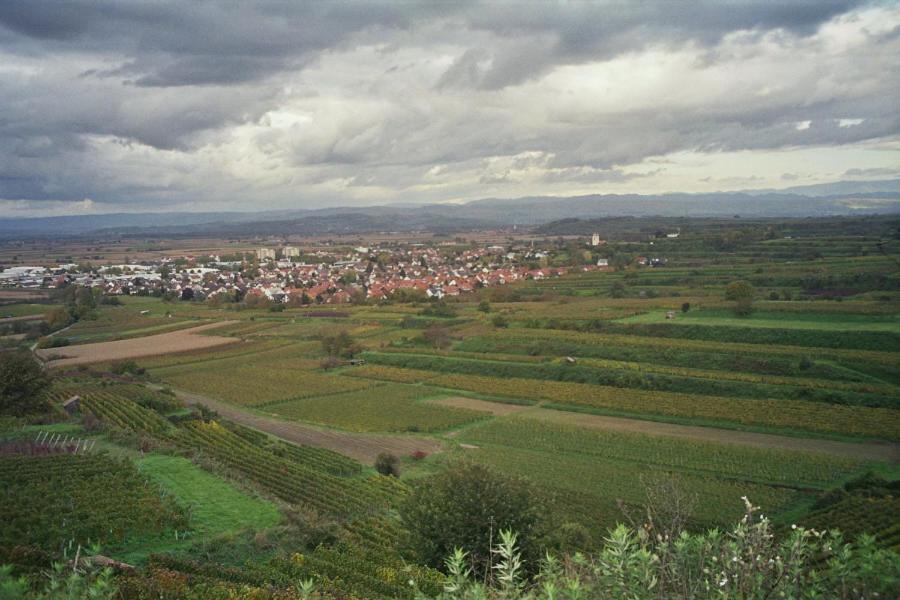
<point>614,466</point>
<point>55,502</point>
<point>291,481</point>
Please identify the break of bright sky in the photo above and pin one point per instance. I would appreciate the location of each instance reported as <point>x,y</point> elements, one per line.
<point>111,106</point>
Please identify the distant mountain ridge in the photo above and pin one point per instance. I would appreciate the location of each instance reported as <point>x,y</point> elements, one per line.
<point>863,198</point>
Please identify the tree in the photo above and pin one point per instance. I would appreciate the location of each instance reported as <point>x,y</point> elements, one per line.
<point>23,384</point>
<point>685,307</point>
<point>387,464</point>
<point>741,293</point>
<point>437,336</point>
<point>58,318</point>
<point>466,506</point>
<point>500,321</point>
<point>339,344</point>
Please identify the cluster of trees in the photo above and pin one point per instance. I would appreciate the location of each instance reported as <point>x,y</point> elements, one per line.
<point>338,346</point>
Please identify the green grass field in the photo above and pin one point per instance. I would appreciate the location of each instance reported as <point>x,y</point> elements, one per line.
<point>215,507</point>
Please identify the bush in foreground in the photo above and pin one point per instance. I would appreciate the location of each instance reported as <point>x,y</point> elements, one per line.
<point>465,507</point>
<point>746,562</point>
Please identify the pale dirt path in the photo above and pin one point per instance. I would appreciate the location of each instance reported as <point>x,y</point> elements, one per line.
<point>880,451</point>
<point>362,447</point>
<point>182,340</point>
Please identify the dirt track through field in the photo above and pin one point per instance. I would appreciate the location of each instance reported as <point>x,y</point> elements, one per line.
<point>183,340</point>
<point>364,448</point>
<point>881,451</point>
<point>498,409</point>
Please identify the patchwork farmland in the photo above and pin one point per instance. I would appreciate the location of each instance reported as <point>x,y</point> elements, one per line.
<point>598,389</point>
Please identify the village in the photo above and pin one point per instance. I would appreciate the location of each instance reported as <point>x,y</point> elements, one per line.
<point>285,274</point>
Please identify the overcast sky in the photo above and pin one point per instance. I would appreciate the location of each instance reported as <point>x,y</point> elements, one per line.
<point>158,106</point>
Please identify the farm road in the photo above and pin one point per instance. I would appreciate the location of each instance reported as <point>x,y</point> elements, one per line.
<point>364,448</point>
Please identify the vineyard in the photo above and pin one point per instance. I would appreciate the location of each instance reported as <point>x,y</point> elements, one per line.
<point>115,408</point>
<point>59,501</point>
<point>382,408</point>
<point>611,374</point>
<point>234,471</point>
<point>879,516</point>
<point>602,468</point>
<point>250,386</point>
<point>795,414</point>
<point>296,483</point>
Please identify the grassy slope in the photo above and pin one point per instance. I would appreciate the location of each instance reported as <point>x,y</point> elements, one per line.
<point>215,507</point>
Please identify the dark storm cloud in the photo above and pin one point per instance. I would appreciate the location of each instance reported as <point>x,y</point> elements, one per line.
<point>161,101</point>
<point>595,30</point>
<point>193,43</point>
<point>196,43</point>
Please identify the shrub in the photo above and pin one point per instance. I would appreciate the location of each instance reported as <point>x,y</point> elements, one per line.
<point>741,293</point>
<point>748,561</point>
<point>465,507</point>
<point>387,464</point>
<point>437,336</point>
<point>91,423</point>
<point>500,321</point>
<point>53,342</point>
<point>330,362</point>
<point>439,309</point>
<point>127,367</point>
<point>339,344</point>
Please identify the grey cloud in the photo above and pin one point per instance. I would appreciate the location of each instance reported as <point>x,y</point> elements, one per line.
<point>185,79</point>
<point>192,43</point>
<point>874,172</point>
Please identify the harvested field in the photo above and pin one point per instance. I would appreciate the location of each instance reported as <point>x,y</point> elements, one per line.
<point>497,409</point>
<point>184,340</point>
<point>364,448</point>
